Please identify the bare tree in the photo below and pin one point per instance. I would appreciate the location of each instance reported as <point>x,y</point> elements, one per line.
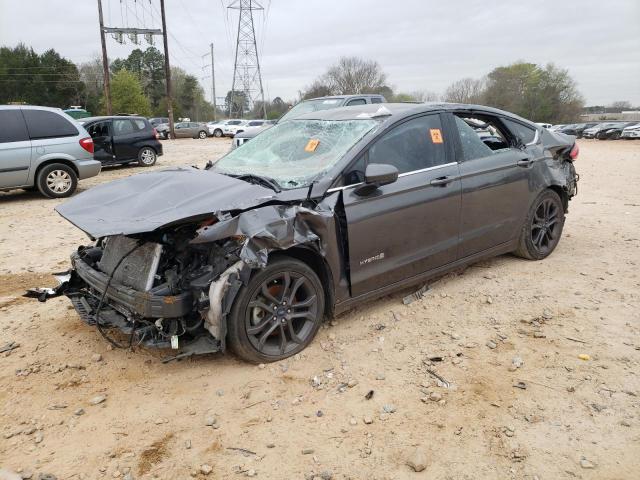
<point>466,90</point>
<point>351,75</point>
<point>425,96</point>
<point>620,105</point>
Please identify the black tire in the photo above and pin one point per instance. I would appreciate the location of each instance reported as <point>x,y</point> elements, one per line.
<point>264,325</point>
<point>147,157</point>
<point>202,134</point>
<point>217,133</point>
<point>542,228</point>
<point>616,136</point>
<point>57,180</point>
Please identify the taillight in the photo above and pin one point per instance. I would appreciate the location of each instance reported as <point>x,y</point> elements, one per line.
<point>87,144</point>
<point>155,134</point>
<point>574,151</point>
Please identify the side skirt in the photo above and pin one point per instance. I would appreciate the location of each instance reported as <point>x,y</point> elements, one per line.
<point>492,252</point>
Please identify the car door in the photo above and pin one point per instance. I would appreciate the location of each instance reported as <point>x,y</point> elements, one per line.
<point>410,226</point>
<point>124,139</point>
<point>102,141</point>
<point>495,186</point>
<point>15,149</point>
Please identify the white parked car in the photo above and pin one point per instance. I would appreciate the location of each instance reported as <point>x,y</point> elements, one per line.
<point>632,131</point>
<point>217,128</point>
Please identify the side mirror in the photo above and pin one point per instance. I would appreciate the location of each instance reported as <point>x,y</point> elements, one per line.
<point>375,176</point>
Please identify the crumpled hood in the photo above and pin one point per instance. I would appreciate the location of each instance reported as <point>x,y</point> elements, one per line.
<point>147,201</point>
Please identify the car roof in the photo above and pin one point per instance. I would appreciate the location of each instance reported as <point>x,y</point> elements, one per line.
<point>110,117</point>
<point>31,107</point>
<point>399,110</point>
<point>346,97</point>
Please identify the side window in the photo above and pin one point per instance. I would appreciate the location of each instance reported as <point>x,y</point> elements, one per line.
<point>376,100</point>
<point>122,126</point>
<point>46,124</point>
<point>524,133</point>
<point>413,145</point>
<point>139,124</point>
<point>357,101</point>
<point>472,146</point>
<point>12,126</point>
<point>100,129</point>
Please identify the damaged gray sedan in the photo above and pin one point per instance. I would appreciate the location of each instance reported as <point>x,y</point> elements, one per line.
<point>311,218</point>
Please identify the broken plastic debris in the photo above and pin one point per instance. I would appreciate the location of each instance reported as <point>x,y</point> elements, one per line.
<point>584,356</point>
<point>415,295</point>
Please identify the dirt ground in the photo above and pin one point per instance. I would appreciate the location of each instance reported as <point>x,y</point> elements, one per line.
<point>482,330</point>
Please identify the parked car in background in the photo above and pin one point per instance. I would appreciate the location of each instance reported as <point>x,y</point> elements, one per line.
<point>43,148</point>
<point>120,140</point>
<point>592,132</point>
<point>191,130</point>
<point>155,121</point>
<point>314,105</point>
<point>217,128</point>
<point>163,130</point>
<point>576,129</point>
<point>544,125</point>
<point>614,133</point>
<point>77,112</point>
<point>310,219</point>
<point>555,128</point>
<point>632,131</point>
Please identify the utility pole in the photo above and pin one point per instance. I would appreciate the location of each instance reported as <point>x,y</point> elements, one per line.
<point>105,63</point>
<point>213,82</point>
<point>213,86</point>
<point>246,69</point>
<point>167,71</point>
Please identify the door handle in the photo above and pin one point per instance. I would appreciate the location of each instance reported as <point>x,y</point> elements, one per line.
<point>525,163</point>
<point>442,181</point>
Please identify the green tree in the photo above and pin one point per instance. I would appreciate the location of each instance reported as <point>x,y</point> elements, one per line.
<point>542,94</point>
<point>47,79</point>
<point>127,95</point>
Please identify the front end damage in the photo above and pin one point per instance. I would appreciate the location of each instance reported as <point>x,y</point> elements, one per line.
<point>173,287</point>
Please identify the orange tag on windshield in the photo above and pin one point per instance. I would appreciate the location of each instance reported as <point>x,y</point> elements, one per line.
<point>312,145</point>
<point>436,135</point>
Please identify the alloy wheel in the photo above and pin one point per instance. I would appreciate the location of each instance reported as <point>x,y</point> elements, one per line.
<point>147,156</point>
<point>59,181</point>
<point>545,226</point>
<point>202,135</point>
<point>282,314</point>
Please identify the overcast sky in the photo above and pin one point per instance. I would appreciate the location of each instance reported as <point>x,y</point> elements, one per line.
<point>421,44</point>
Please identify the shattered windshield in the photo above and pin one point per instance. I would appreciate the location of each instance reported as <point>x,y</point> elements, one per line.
<point>295,152</point>
<point>309,106</point>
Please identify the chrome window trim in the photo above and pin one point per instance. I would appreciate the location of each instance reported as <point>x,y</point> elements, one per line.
<point>405,174</point>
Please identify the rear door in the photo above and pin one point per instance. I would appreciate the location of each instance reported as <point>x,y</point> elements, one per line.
<point>102,141</point>
<point>15,149</point>
<point>411,226</point>
<point>495,186</point>
<point>124,137</point>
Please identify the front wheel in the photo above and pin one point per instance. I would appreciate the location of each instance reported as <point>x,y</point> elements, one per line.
<point>542,228</point>
<point>278,313</point>
<point>217,133</point>
<point>147,157</point>
<point>616,136</point>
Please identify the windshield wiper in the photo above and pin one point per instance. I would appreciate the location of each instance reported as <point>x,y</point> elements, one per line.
<point>259,179</point>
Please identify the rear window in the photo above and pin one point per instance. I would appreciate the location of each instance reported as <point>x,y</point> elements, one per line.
<point>526,134</point>
<point>376,100</point>
<point>12,127</point>
<point>46,124</point>
<point>123,127</point>
<point>139,124</point>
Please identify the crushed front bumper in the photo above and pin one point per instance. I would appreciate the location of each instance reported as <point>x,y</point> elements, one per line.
<point>144,304</point>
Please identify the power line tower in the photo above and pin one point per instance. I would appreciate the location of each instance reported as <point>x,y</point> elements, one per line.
<point>246,69</point>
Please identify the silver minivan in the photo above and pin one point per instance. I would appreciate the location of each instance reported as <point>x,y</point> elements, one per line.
<point>43,148</point>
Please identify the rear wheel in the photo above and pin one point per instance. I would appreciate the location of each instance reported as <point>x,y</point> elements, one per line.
<point>542,228</point>
<point>616,135</point>
<point>57,180</point>
<point>146,157</point>
<point>278,313</point>
<point>202,134</point>
<point>217,133</point>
